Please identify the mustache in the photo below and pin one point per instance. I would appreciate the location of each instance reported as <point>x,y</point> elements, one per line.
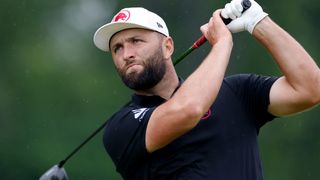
<point>132,62</point>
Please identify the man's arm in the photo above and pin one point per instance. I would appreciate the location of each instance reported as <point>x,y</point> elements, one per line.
<point>195,96</point>
<point>299,87</point>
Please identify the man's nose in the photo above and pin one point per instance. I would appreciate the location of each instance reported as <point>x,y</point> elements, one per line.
<point>129,52</point>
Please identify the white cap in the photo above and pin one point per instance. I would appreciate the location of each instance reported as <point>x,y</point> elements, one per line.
<point>127,18</point>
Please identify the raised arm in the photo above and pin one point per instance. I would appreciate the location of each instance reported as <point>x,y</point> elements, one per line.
<point>184,110</point>
<point>299,87</point>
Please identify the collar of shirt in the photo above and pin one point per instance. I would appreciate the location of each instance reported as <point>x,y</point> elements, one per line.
<point>151,101</point>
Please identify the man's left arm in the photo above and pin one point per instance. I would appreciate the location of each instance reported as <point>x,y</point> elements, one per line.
<point>299,87</point>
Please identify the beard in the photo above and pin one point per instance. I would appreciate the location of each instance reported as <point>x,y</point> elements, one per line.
<point>152,73</point>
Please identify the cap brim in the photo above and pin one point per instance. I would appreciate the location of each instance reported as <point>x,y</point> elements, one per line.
<point>103,35</point>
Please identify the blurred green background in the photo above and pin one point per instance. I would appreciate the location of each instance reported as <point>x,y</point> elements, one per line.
<point>56,88</point>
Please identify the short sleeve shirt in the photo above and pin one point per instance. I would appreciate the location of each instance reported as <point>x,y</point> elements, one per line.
<point>222,146</point>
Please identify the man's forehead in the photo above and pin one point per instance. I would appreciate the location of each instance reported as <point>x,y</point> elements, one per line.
<point>130,33</point>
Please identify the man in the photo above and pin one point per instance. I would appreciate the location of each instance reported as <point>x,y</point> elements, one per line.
<point>205,127</point>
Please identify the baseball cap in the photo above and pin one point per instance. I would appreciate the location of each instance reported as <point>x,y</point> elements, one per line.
<point>127,18</point>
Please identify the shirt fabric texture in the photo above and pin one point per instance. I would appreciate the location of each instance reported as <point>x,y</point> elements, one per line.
<point>222,146</point>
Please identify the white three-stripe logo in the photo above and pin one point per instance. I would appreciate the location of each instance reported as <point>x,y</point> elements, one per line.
<point>139,113</point>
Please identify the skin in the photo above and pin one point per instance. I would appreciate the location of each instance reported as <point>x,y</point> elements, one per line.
<point>130,48</point>
<point>299,87</point>
<point>297,90</point>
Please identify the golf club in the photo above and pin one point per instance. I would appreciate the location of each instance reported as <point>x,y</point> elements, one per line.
<point>57,172</point>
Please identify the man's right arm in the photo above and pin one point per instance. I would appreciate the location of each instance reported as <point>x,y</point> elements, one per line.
<point>184,110</point>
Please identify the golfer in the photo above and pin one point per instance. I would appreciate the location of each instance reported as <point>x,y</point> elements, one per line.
<point>206,126</point>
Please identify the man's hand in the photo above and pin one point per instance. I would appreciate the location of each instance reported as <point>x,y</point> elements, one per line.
<point>215,30</point>
<point>242,21</point>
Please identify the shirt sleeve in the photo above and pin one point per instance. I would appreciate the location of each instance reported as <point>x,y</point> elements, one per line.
<point>254,91</point>
<point>124,139</point>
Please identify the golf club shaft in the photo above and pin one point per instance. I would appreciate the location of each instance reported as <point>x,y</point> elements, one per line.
<point>245,4</point>
<point>61,163</point>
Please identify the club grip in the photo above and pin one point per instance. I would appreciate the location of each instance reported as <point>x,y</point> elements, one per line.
<point>199,42</point>
<point>246,4</point>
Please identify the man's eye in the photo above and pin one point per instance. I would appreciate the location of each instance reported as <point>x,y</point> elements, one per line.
<point>116,49</point>
<point>136,40</point>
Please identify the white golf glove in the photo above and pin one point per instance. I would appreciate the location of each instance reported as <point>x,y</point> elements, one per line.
<point>242,21</point>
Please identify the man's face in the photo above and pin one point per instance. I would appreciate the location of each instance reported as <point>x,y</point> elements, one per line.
<point>138,57</point>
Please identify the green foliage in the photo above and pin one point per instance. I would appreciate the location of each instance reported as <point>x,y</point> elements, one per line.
<point>56,87</point>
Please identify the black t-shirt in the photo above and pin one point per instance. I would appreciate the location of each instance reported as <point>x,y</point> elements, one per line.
<point>223,145</point>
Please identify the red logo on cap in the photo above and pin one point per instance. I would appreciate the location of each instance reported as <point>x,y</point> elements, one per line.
<point>123,15</point>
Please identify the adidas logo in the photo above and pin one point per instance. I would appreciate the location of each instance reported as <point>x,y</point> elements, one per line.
<point>139,113</point>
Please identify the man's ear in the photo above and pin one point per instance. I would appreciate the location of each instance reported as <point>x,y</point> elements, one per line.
<point>168,47</point>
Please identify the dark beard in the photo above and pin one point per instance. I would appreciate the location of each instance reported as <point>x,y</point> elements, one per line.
<point>153,72</point>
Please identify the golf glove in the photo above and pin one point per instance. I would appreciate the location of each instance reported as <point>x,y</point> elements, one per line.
<point>242,20</point>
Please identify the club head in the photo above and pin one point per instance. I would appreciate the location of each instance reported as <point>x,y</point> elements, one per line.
<point>55,173</point>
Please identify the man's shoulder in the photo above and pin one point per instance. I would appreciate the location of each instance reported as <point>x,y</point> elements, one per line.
<point>239,76</point>
<point>130,111</point>
<point>248,78</point>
